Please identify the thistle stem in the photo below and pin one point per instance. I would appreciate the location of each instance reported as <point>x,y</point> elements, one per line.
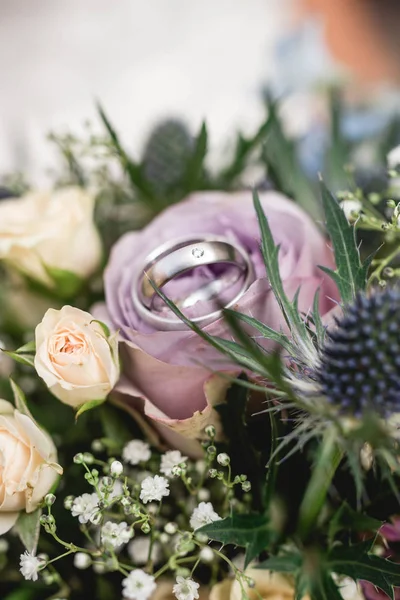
<point>315,495</point>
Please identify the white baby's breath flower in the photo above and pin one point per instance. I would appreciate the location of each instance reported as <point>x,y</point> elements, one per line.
<point>171,459</point>
<point>138,585</point>
<point>185,588</point>
<point>206,555</point>
<point>136,452</point>
<point>204,494</point>
<point>351,208</point>
<point>139,548</point>
<point>84,507</point>
<point>82,560</point>
<point>116,468</point>
<point>30,565</point>
<point>203,515</point>
<point>115,534</point>
<point>154,488</point>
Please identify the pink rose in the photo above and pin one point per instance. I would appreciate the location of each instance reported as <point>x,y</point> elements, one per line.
<point>168,374</point>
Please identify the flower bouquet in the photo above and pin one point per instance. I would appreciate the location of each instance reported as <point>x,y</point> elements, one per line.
<point>200,381</point>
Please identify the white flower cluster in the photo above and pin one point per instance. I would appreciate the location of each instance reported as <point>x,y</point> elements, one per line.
<point>113,535</point>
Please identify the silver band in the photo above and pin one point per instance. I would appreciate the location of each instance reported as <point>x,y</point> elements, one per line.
<point>172,259</point>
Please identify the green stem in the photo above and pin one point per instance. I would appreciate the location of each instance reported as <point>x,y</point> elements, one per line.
<point>315,495</point>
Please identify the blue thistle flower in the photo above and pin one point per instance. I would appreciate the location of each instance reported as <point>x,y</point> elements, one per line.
<point>359,368</point>
<point>166,154</point>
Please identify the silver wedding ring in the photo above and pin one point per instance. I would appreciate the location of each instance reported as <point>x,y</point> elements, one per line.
<point>173,259</point>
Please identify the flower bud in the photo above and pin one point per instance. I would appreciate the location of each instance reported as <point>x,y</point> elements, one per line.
<point>145,528</point>
<point>171,528</point>
<point>82,560</point>
<point>246,486</point>
<point>210,431</point>
<point>49,499</point>
<point>68,502</point>
<point>206,555</point>
<point>116,468</point>
<point>223,459</point>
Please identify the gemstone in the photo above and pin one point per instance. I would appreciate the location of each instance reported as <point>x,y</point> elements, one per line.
<point>197,252</point>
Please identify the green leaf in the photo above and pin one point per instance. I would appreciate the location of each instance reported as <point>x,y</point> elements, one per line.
<point>286,563</point>
<point>134,172</point>
<point>88,406</point>
<point>67,283</point>
<point>237,353</point>
<point>104,327</point>
<point>267,332</point>
<point>244,149</point>
<point>338,152</point>
<point>319,328</point>
<point>20,399</point>
<point>289,309</point>
<point>280,157</point>
<point>358,563</point>
<point>350,275</point>
<point>195,165</point>
<point>347,519</point>
<point>30,347</point>
<point>23,359</point>
<point>28,528</point>
<point>252,532</point>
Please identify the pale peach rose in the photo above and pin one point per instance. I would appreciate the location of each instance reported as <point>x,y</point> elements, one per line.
<point>268,586</point>
<point>28,468</point>
<point>75,356</point>
<point>50,230</point>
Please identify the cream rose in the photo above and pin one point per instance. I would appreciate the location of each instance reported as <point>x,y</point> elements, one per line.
<point>42,231</point>
<point>75,356</point>
<point>268,586</point>
<point>28,467</point>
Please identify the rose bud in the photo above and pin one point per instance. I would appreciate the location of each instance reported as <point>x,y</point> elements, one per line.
<point>28,464</point>
<point>47,236</point>
<point>169,374</point>
<point>75,356</point>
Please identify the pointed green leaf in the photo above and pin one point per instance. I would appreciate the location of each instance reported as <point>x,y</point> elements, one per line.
<point>252,532</point>
<point>28,528</point>
<point>243,151</point>
<point>234,351</point>
<point>20,399</point>
<point>267,332</point>
<point>358,563</point>
<point>195,165</point>
<point>347,519</point>
<point>133,171</point>
<point>286,563</point>
<point>281,158</point>
<point>88,406</point>
<point>66,283</point>
<point>23,359</point>
<point>319,328</point>
<point>350,274</point>
<point>289,309</point>
<point>28,348</point>
<point>104,327</point>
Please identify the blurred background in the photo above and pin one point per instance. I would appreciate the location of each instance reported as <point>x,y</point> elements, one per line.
<point>196,60</point>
